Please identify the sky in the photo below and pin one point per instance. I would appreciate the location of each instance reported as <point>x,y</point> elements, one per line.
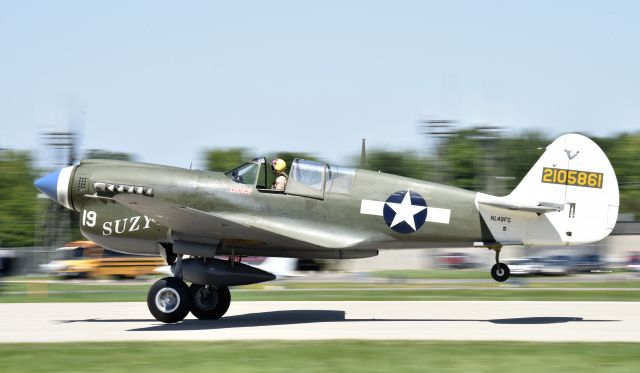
<point>166,80</point>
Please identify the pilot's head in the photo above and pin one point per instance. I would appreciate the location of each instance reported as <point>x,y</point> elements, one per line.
<point>278,166</point>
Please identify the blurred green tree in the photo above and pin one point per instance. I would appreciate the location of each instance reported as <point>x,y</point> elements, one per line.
<point>18,203</point>
<point>401,163</point>
<point>517,154</point>
<point>225,159</point>
<point>623,151</point>
<point>460,158</point>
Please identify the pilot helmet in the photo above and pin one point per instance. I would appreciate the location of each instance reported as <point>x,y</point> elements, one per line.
<point>278,165</point>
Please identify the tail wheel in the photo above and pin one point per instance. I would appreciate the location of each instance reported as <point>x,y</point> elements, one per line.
<point>209,303</point>
<point>169,300</point>
<point>500,272</point>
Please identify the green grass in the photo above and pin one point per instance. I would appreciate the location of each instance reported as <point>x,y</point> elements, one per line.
<point>25,289</point>
<point>487,283</point>
<point>442,274</point>
<point>440,295</point>
<point>330,356</point>
<point>71,292</point>
<point>635,284</point>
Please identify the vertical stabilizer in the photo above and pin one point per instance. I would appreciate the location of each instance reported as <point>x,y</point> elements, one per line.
<point>570,196</point>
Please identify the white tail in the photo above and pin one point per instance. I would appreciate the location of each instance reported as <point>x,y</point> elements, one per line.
<point>570,196</point>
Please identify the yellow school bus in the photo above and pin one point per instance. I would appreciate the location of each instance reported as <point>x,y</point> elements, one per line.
<point>79,259</point>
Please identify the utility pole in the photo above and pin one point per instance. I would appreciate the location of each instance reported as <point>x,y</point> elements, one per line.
<point>60,150</point>
<point>439,130</point>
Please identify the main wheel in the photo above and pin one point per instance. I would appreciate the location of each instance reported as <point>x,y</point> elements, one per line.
<point>208,303</point>
<point>169,300</point>
<point>500,272</point>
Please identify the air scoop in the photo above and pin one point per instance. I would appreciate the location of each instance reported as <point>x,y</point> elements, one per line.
<point>55,185</point>
<point>220,272</point>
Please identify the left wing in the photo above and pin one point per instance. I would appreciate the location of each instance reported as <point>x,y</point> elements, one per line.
<point>247,230</point>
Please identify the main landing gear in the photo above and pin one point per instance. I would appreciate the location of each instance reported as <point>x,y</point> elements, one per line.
<point>208,297</point>
<point>209,303</point>
<point>170,300</point>
<point>500,271</point>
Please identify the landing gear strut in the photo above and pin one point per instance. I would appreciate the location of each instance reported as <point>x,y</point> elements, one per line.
<point>500,271</point>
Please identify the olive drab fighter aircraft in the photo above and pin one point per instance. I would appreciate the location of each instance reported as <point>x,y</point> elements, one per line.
<point>570,196</point>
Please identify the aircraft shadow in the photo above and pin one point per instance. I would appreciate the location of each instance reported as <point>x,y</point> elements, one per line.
<point>542,320</point>
<point>272,318</point>
<point>291,317</point>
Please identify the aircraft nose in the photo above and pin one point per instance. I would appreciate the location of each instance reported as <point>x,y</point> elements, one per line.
<point>48,184</point>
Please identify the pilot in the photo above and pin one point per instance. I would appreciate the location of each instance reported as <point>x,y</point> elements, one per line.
<point>279,166</point>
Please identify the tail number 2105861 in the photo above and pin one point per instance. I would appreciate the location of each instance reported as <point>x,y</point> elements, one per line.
<point>572,177</point>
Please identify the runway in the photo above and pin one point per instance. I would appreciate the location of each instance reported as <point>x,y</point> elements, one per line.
<point>499,321</point>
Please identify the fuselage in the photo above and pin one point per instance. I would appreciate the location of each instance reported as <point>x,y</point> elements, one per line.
<point>350,226</point>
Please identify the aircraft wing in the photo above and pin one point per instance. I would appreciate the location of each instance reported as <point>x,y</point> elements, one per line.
<point>244,229</point>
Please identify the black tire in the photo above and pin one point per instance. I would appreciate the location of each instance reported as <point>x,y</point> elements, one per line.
<point>500,272</point>
<point>209,304</point>
<point>169,300</point>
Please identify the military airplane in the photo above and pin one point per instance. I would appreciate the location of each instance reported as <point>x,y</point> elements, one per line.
<point>570,196</point>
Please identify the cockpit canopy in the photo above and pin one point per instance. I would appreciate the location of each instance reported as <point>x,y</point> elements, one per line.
<point>306,178</point>
<point>248,172</point>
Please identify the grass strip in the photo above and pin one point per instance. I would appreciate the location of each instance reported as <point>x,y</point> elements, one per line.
<point>326,356</point>
<point>91,293</point>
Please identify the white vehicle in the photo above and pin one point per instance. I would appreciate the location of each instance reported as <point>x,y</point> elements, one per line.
<point>524,266</point>
<point>556,265</point>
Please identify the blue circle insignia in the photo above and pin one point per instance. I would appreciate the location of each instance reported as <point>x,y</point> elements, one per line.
<point>405,211</point>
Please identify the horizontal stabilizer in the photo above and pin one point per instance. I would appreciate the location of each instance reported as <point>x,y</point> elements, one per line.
<point>540,208</point>
<point>494,244</point>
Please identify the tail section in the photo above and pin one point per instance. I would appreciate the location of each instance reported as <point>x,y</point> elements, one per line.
<point>570,196</point>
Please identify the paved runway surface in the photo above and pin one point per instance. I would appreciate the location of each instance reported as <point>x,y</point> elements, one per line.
<point>521,321</point>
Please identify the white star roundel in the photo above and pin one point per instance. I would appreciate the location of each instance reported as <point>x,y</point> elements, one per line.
<point>405,211</point>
